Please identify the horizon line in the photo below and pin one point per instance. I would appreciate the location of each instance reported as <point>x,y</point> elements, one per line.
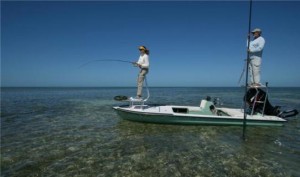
<point>136,87</point>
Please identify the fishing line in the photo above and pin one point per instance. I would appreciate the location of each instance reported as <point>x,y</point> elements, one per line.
<point>123,61</point>
<point>89,62</point>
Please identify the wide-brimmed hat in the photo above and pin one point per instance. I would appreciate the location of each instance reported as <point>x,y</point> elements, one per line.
<point>256,30</point>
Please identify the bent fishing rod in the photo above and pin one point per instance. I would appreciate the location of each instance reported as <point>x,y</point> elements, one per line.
<point>123,61</point>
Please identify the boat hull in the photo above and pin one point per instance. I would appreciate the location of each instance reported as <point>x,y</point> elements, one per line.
<point>192,119</point>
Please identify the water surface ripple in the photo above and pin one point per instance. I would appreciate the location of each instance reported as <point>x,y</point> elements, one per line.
<point>75,132</point>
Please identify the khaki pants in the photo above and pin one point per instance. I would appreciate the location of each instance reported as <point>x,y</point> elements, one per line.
<point>140,81</point>
<point>255,69</point>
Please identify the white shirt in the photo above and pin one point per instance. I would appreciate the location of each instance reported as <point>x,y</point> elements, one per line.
<point>256,47</point>
<point>144,61</point>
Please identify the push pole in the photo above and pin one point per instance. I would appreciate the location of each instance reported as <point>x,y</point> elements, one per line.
<point>247,70</point>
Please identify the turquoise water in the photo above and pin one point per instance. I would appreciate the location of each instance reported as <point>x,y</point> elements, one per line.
<point>75,132</point>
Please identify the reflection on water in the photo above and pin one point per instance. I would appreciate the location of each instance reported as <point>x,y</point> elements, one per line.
<point>75,132</point>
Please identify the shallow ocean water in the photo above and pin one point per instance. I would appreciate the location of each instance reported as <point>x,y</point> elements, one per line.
<point>75,132</point>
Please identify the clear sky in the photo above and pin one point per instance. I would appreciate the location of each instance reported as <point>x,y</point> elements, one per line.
<point>194,43</point>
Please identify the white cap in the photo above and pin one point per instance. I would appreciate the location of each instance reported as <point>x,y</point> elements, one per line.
<point>256,30</point>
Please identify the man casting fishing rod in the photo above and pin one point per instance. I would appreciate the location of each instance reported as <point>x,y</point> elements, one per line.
<point>143,64</point>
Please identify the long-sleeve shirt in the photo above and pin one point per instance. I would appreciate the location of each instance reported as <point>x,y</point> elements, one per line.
<point>144,61</point>
<point>256,47</point>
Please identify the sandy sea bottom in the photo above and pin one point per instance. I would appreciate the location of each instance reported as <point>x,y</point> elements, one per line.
<point>75,132</point>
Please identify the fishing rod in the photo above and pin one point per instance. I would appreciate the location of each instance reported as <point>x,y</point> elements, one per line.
<point>247,70</point>
<point>123,61</point>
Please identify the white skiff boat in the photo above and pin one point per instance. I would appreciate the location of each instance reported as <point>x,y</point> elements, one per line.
<point>260,112</point>
<point>205,114</point>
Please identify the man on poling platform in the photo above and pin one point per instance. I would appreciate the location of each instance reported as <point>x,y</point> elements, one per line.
<point>255,50</point>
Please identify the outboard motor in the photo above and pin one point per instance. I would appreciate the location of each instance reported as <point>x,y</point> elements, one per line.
<point>258,104</point>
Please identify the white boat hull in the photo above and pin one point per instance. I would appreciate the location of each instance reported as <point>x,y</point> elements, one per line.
<point>190,115</point>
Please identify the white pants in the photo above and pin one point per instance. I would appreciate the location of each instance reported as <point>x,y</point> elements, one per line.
<point>255,63</point>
